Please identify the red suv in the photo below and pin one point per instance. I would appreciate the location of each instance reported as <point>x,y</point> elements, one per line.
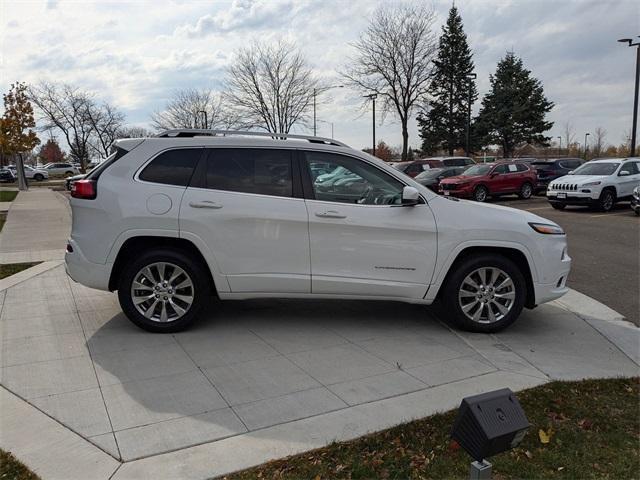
<point>480,181</point>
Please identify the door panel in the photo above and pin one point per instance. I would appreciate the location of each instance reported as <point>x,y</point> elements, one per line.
<point>364,242</point>
<point>260,242</point>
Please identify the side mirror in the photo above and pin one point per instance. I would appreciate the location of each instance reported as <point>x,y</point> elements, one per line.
<point>624,173</point>
<point>410,196</point>
<point>570,172</point>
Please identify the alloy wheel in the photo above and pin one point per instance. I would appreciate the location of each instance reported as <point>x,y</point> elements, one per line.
<point>607,201</point>
<point>162,292</point>
<point>481,194</point>
<point>486,295</point>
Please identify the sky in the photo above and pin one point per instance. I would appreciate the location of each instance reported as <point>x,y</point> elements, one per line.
<point>134,54</point>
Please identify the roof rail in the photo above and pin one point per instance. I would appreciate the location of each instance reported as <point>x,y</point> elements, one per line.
<point>196,132</point>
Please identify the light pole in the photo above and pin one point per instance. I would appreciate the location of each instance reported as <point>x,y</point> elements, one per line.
<point>315,94</point>
<point>560,147</point>
<point>586,145</point>
<point>634,128</point>
<point>470,77</point>
<point>372,97</point>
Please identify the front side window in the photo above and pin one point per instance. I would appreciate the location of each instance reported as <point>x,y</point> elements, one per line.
<point>500,169</point>
<point>249,170</point>
<point>358,182</point>
<point>631,167</point>
<point>173,167</point>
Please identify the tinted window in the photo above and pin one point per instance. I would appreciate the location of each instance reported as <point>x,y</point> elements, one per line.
<point>522,168</point>
<point>631,167</point>
<point>478,170</point>
<point>501,169</point>
<point>248,170</point>
<point>357,182</point>
<point>173,167</point>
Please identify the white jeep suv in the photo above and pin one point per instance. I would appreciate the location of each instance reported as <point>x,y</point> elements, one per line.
<point>172,220</point>
<point>598,183</point>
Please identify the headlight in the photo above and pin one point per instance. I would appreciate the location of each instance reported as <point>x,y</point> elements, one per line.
<point>590,184</point>
<point>546,228</point>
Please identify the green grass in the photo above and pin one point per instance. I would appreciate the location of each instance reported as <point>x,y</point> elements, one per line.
<point>3,218</point>
<point>8,269</point>
<point>12,469</point>
<point>8,195</point>
<point>594,427</point>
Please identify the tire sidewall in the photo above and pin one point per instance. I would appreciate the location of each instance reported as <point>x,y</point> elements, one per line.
<point>478,189</point>
<point>522,190</point>
<point>454,281</point>
<point>603,196</point>
<point>38,178</point>
<point>191,266</point>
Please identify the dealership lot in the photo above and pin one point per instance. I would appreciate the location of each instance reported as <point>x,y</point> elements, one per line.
<point>604,248</point>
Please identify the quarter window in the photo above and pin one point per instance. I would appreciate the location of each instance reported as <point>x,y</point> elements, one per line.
<point>352,181</point>
<point>173,167</point>
<point>247,170</point>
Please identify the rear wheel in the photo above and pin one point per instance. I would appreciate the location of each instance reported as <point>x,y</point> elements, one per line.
<point>485,293</point>
<point>163,290</point>
<point>38,177</point>
<point>69,173</point>
<point>607,200</point>
<point>526,191</point>
<point>480,194</point>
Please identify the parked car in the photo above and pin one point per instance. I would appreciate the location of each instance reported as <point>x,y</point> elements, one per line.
<point>171,220</point>
<point>431,178</point>
<point>69,181</point>
<point>635,200</point>
<point>415,167</point>
<point>480,181</point>
<point>598,184</point>
<point>549,170</point>
<point>61,169</point>
<point>7,176</point>
<point>36,174</point>
<point>455,161</point>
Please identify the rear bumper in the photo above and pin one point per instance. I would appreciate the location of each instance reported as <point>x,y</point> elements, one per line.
<point>81,270</point>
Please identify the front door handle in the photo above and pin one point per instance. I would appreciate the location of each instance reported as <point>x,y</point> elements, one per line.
<point>330,214</point>
<point>205,204</point>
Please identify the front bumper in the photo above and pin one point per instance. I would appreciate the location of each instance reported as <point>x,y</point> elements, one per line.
<point>81,270</point>
<point>546,292</point>
<point>464,192</point>
<point>571,198</point>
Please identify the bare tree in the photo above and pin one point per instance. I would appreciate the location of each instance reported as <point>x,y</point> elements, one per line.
<point>569,134</point>
<point>395,59</point>
<point>65,108</point>
<point>133,132</point>
<point>185,110</point>
<point>105,121</point>
<point>599,144</point>
<point>270,86</point>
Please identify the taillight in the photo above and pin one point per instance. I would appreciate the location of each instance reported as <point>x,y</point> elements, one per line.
<point>85,189</point>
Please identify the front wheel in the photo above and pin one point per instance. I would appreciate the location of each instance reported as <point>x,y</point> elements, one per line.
<point>526,191</point>
<point>480,194</point>
<point>606,201</point>
<point>484,293</point>
<point>558,206</point>
<point>163,291</point>
<point>38,177</point>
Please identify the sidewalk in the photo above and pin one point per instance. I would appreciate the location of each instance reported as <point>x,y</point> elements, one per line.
<point>37,228</point>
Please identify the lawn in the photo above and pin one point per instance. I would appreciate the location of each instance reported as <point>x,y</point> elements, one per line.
<point>8,269</point>
<point>12,469</point>
<point>8,195</point>
<point>586,429</point>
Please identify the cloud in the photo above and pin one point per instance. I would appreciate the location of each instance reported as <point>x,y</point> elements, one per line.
<point>51,4</point>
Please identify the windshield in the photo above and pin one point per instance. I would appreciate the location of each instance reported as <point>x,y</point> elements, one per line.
<point>596,169</point>
<point>477,170</point>
<point>430,174</point>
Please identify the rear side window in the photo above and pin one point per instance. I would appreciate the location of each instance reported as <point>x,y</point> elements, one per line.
<point>248,170</point>
<point>521,167</point>
<point>173,167</point>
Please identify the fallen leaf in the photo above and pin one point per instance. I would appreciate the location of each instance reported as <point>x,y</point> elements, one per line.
<point>545,437</point>
<point>560,469</point>
<point>585,424</point>
<point>317,477</point>
<point>454,446</point>
<point>528,454</point>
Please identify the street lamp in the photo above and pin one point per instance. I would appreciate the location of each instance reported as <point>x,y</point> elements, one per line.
<point>634,128</point>
<point>204,114</point>
<point>372,97</point>
<point>315,94</point>
<point>586,145</point>
<point>470,77</point>
<point>560,147</point>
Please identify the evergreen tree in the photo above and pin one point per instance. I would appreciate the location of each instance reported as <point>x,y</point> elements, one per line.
<point>513,112</point>
<point>443,122</point>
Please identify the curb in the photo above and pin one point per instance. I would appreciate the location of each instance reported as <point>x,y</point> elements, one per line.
<point>585,306</point>
<point>29,273</point>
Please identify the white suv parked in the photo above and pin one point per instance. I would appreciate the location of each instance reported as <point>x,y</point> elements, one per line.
<point>171,220</point>
<point>598,183</point>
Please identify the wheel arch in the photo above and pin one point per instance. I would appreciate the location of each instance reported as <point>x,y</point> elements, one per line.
<point>134,245</point>
<point>516,255</point>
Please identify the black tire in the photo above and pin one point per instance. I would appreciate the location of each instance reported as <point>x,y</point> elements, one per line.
<point>453,284</point>
<point>481,193</point>
<point>526,191</point>
<point>607,200</point>
<point>69,173</point>
<point>38,177</point>
<point>558,206</point>
<point>201,289</point>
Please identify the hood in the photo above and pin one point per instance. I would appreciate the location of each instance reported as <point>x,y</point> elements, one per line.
<point>580,179</point>
<point>460,178</point>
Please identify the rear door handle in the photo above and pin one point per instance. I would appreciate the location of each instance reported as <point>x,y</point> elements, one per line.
<point>205,204</point>
<point>330,214</point>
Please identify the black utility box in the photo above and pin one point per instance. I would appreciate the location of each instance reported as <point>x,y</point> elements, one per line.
<point>489,423</point>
